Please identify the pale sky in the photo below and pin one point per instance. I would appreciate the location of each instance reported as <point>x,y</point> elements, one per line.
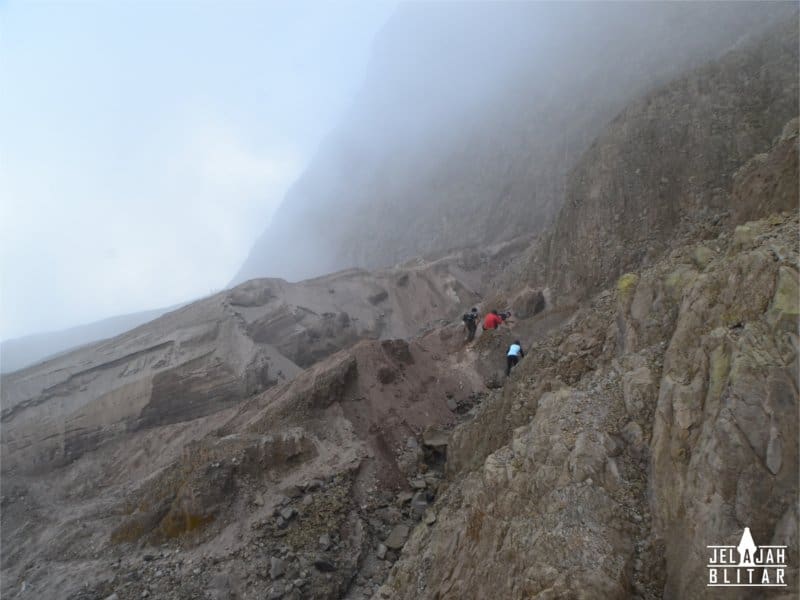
<point>146,144</point>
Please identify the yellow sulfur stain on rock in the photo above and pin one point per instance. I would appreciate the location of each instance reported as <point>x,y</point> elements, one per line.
<point>130,531</point>
<point>626,286</point>
<point>176,524</point>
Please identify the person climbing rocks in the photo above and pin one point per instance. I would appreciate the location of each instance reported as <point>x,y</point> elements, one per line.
<point>514,354</point>
<point>492,320</point>
<point>471,323</point>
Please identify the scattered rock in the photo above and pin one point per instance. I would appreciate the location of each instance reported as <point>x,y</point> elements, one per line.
<point>418,483</point>
<point>381,551</point>
<point>613,479</point>
<point>293,491</point>
<point>324,541</point>
<point>313,484</point>
<point>419,504</point>
<point>288,513</point>
<point>324,565</point>
<point>435,438</point>
<point>397,538</point>
<point>432,479</point>
<point>277,567</point>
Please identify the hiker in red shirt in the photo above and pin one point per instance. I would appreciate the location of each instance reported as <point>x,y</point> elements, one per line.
<point>492,320</point>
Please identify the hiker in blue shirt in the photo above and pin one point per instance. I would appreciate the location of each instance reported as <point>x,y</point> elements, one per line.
<point>514,354</point>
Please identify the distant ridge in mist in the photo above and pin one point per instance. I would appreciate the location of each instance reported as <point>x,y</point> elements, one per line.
<point>22,352</point>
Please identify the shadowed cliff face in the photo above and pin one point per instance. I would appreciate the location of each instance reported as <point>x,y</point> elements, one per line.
<point>660,418</point>
<point>674,157</point>
<point>669,163</point>
<point>470,119</point>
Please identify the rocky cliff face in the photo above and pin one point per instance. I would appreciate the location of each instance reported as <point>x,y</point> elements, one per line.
<point>661,419</point>
<point>668,164</point>
<point>469,139</point>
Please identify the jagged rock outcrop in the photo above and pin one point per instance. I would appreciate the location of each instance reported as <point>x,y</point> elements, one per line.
<point>766,183</point>
<point>679,430</point>
<point>725,435</point>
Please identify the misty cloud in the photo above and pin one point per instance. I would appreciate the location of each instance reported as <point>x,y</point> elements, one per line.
<point>145,145</point>
<point>471,117</point>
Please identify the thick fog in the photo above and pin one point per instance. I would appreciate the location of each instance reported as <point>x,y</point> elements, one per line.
<point>470,118</point>
<point>147,146</point>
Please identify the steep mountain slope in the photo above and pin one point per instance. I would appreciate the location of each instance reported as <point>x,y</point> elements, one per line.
<point>669,162</point>
<point>269,442</point>
<point>467,138</point>
<point>296,485</point>
<point>660,419</point>
<point>213,353</point>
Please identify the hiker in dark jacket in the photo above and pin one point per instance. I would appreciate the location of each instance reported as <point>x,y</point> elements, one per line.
<point>512,357</point>
<point>471,323</point>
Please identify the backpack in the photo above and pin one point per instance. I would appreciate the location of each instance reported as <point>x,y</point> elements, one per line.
<point>469,318</point>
